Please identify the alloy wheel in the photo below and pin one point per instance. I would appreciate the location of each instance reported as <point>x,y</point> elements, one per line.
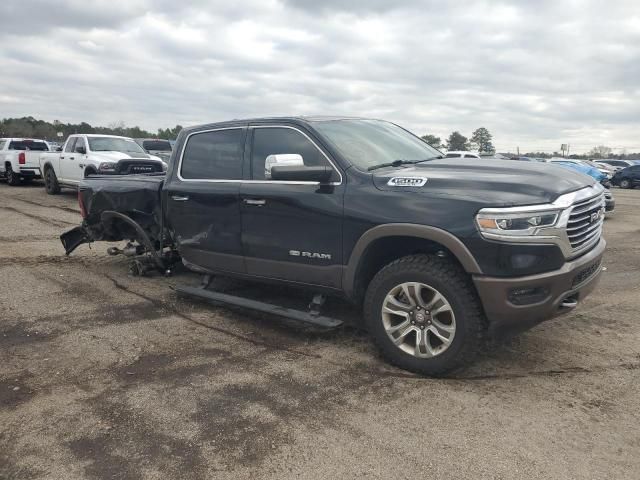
<point>418,319</point>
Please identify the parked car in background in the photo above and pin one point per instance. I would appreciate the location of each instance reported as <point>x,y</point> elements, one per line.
<point>628,177</point>
<point>156,146</point>
<point>617,164</point>
<point>531,159</point>
<point>19,159</point>
<point>461,154</point>
<point>84,155</point>
<point>586,167</point>
<point>603,167</point>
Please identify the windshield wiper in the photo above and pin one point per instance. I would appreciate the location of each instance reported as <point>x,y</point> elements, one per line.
<point>398,163</point>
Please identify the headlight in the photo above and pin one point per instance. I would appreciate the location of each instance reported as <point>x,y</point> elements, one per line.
<point>107,167</point>
<point>513,223</point>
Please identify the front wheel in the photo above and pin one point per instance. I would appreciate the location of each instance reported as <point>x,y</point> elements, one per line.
<point>13,178</point>
<point>424,315</point>
<point>625,183</point>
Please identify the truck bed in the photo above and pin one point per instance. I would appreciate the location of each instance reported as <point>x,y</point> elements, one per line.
<point>136,196</point>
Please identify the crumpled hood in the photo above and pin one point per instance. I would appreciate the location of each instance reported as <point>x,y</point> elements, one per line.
<point>491,182</point>
<point>115,156</point>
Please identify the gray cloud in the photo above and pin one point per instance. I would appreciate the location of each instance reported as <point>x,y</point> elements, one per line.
<point>536,74</point>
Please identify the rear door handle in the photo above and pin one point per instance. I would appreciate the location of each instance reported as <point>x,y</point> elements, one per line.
<point>71,158</point>
<point>255,202</point>
<point>179,198</point>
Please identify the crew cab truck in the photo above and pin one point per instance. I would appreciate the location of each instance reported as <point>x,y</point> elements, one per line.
<point>439,253</point>
<point>20,159</point>
<point>84,155</point>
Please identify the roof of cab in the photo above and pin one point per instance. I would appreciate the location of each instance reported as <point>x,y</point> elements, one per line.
<point>260,120</point>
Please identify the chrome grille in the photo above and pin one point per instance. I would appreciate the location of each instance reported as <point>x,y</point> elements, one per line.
<point>584,227</point>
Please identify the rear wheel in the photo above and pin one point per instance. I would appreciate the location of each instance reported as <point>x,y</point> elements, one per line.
<point>13,178</point>
<point>51,182</point>
<point>424,315</point>
<point>625,183</point>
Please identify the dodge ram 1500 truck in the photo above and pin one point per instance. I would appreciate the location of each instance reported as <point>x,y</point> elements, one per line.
<point>84,155</point>
<point>19,159</point>
<point>439,253</point>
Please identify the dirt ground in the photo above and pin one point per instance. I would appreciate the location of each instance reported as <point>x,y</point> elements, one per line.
<point>107,376</point>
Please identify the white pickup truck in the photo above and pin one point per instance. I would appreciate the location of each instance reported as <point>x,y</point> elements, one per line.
<point>20,159</point>
<point>92,154</point>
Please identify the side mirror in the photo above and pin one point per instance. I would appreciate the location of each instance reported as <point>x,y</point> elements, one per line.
<point>301,173</point>
<point>59,149</point>
<point>82,150</point>
<point>292,159</point>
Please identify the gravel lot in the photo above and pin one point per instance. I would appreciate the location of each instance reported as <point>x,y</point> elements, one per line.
<point>107,376</point>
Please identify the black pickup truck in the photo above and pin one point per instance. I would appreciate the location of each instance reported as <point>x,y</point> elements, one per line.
<point>438,253</point>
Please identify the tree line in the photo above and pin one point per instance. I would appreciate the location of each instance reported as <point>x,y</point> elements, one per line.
<point>30,127</point>
<point>480,140</point>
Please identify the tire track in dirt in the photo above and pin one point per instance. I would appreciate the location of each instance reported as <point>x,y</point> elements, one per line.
<point>48,221</point>
<point>58,207</point>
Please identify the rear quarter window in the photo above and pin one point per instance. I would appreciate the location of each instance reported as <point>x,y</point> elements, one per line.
<point>28,145</point>
<point>213,155</point>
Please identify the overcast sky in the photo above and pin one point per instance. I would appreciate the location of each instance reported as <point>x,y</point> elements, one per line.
<point>535,73</point>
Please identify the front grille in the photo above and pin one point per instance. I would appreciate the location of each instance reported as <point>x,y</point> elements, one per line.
<point>126,167</point>
<point>584,227</point>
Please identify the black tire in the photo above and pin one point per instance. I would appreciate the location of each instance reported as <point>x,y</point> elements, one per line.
<point>13,179</point>
<point>51,184</point>
<point>624,183</point>
<point>455,286</point>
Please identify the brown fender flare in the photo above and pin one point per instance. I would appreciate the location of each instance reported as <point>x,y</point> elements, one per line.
<point>446,239</point>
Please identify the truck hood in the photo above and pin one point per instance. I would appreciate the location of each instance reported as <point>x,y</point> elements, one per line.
<point>491,182</point>
<point>115,156</point>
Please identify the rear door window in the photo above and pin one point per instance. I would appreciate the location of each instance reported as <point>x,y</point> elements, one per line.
<point>70,144</point>
<point>213,155</point>
<point>79,143</point>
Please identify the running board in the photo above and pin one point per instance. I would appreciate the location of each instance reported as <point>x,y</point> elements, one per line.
<point>299,315</point>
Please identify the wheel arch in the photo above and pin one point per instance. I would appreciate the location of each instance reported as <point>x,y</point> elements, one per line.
<point>372,252</point>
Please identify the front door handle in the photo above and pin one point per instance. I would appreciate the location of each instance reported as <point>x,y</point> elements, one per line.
<point>71,158</point>
<point>255,202</point>
<point>179,198</point>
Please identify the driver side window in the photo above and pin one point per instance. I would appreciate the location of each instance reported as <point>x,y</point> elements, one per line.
<point>282,141</point>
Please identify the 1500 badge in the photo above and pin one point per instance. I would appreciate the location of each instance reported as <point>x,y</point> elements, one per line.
<point>321,256</point>
<point>407,181</point>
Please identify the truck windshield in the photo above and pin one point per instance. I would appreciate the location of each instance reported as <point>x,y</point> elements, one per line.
<point>28,145</point>
<point>157,145</point>
<point>112,144</point>
<point>369,143</point>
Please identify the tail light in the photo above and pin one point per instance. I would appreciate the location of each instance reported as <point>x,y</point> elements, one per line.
<point>22,158</point>
<point>83,211</point>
